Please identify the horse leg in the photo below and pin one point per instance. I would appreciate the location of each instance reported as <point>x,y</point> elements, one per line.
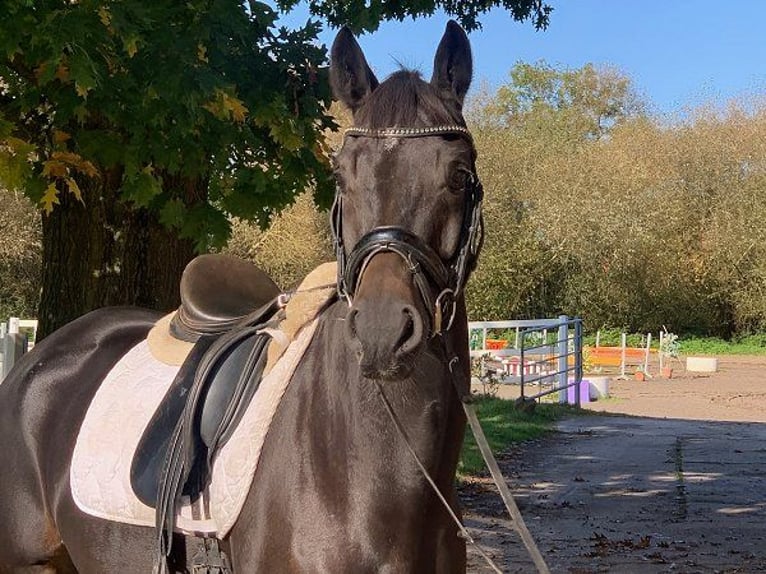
<point>33,546</point>
<point>29,538</point>
<point>98,546</point>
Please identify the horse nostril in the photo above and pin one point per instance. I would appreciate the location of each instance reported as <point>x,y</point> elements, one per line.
<point>412,331</point>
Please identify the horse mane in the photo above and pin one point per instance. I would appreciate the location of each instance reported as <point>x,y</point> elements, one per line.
<point>404,99</point>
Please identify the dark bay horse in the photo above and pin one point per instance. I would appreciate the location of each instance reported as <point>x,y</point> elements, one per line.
<point>336,490</point>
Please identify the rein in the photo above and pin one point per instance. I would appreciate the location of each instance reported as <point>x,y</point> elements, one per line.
<point>402,431</point>
<point>489,459</point>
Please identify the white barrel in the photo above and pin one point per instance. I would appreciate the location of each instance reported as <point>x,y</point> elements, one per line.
<point>598,387</point>
<point>702,364</point>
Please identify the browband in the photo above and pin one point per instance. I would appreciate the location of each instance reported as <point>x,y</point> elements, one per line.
<point>409,132</point>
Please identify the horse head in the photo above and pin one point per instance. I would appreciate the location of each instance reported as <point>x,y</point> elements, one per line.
<point>407,219</point>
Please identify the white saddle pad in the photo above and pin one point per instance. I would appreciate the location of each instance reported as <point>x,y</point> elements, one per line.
<point>115,421</point>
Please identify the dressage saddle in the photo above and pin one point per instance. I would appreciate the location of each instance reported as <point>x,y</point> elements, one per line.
<point>217,293</point>
<point>225,305</point>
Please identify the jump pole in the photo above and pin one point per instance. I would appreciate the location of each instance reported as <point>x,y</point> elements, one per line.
<point>623,345</point>
<point>646,355</point>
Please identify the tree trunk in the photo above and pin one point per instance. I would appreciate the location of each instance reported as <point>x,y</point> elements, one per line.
<point>102,252</point>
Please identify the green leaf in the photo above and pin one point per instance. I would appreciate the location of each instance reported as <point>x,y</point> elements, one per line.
<point>173,213</point>
<point>82,71</point>
<point>105,146</point>
<point>142,188</point>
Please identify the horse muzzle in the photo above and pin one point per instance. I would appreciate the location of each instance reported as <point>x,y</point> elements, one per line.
<point>385,324</point>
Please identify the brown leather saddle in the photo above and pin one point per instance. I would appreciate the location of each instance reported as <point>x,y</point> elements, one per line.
<point>225,304</point>
<point>217,293</point>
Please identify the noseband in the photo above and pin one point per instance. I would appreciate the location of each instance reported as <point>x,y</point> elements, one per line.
<point>438,282</point>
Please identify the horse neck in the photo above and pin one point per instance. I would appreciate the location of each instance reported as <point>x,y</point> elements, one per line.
<point>337,468</point>
<point>427,403</point>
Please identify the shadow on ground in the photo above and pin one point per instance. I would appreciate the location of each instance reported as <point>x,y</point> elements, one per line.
<point>630,495</point>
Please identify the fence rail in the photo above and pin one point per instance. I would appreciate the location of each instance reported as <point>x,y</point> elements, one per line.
<point>543,352</point>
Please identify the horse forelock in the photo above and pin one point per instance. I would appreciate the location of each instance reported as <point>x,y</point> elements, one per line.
<point>404,99</point>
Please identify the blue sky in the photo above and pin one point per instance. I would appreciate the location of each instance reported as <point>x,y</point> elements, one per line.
<point>680,53</point>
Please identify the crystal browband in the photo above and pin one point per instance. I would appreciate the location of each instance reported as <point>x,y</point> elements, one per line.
<point>409,132</point>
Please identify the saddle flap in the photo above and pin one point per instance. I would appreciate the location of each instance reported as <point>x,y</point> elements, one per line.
<point>147,464</point>
<point>199,412</point>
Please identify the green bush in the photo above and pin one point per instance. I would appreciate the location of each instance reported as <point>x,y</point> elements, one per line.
<point>635,223</point>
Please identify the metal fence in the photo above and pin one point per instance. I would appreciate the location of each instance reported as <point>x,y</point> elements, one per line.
<point>17,336</point>
<point>540,355</point>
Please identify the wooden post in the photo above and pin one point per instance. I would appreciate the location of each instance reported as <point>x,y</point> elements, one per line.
<point>14,345</point>
<point>624,344</point>
<point>562,353</point>
<point>646,356</point>
<point>578,359</point>
<point>3,333</point>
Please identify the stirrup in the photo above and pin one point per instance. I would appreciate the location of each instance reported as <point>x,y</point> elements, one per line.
<point>210,559</point>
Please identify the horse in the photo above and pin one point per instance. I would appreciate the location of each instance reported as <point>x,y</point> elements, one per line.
<point>338,487</point>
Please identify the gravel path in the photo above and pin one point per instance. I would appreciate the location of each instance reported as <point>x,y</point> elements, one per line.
<point>680,487</point>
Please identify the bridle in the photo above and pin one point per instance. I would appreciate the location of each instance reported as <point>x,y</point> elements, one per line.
<point>439,283</point>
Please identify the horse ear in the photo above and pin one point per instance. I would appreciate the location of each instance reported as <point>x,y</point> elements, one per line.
<point>453,65</point>
<point>351,78</point>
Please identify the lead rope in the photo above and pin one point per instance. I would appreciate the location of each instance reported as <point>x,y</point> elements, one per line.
<point>510,504</point>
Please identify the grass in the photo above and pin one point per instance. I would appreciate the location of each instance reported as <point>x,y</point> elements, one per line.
<point>689,344</point>
<point>504,425</point>
<point>748,345</point>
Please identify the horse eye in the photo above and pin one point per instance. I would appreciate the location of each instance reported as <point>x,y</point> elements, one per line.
<point>458,179</point>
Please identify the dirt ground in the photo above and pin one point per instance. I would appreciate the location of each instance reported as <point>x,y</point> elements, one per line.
<point>678,485</point>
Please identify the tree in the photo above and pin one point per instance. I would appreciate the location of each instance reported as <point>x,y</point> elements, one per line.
<point>363,15</point>
<point>632,223</point>
<point>141,128</point>
<point>285,255</point>
<point>537,136</point>
<point>589,101</point>
<point>143,125</point>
